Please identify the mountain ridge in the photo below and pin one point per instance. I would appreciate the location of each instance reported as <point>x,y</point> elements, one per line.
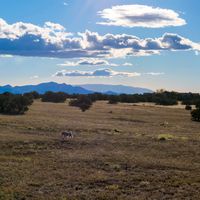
<point>74,89</point>
<point>118,89</point>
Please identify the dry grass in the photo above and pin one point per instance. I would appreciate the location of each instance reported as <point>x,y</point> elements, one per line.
<point>114,155</point>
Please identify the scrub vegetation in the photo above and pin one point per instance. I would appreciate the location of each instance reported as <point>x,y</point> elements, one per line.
<point>119,151</point>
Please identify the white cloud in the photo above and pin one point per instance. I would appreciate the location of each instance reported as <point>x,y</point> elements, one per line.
<point>34,77</point>
<point>88,61</point>
<point>92,62</point>
<point>6,56</point>
<point>155,73</point>
<point>127,64</point>
<point>49,32</point>
<point>96,73</point>
<point>52,40</point>
<point>123,45</point>
<point>140,16</point>
<point>53,26</point>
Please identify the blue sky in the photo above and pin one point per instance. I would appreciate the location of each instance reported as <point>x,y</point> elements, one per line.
<point>139,50</point>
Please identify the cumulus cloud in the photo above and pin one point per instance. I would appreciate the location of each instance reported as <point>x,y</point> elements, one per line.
<point>92,62</point>
<point>52,40</point>
<point>140,16</point>
<point>96,73</point>
<point>54,27</point>
<point>30,40</point>
<point>88,61</point>
<point>132,45</point>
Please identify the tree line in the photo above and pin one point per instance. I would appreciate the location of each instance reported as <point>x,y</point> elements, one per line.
<point>84,102</point>
<point>159,98</point>
<point>18,104</point>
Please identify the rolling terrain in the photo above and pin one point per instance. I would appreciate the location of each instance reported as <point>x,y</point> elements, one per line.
<point>121,151</point>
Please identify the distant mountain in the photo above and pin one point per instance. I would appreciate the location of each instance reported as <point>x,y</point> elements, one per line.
<point>82,89</point>
<point>44,87</point>
<point>115,89</point>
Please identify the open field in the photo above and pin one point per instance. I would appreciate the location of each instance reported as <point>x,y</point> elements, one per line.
<point>179,105</point>
<point>129,153</point>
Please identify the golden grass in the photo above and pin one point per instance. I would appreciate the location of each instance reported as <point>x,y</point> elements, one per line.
<point>114,155</point>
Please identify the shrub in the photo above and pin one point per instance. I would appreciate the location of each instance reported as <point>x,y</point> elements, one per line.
<point>14,104</point>
<point>166,101</point>
<point>188,107</point>
<point>33,95</point>
<point>197,104</point>
<point>196,115</point>
<point>113,99</point>
<point>82,102</point>
<point>58,97</point>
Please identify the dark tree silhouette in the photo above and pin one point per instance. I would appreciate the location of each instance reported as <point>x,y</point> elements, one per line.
<point>196,115</point>
<point>82,102</point>
<point>113,99</point>
<point>33,95</point>
<point>59,97</point>
<point>197,104</point>
<point>188,107</point>
<point>14,104</point>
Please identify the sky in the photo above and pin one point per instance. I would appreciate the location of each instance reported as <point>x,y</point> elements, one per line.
<point>144,43</point>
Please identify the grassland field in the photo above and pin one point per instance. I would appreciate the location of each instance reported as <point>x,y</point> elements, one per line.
<point>119,152</point>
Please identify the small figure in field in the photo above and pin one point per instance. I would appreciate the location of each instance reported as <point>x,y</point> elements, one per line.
<point>67,134</point>
<point>165,124</point>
